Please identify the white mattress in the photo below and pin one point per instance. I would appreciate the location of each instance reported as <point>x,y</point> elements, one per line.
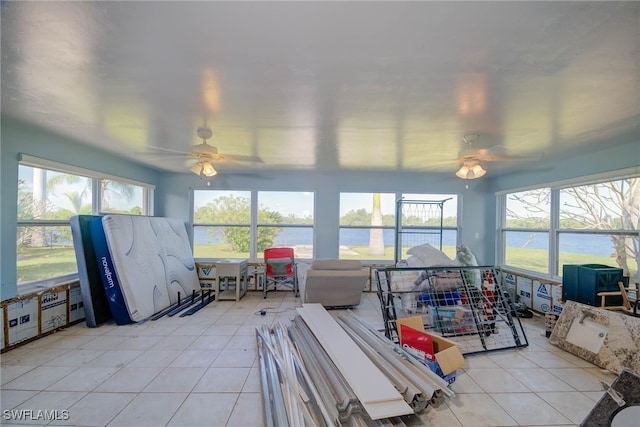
<point>153,261</point>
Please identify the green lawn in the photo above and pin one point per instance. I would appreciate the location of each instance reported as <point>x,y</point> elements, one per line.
<point>45,263</point>
<point>217,251</point>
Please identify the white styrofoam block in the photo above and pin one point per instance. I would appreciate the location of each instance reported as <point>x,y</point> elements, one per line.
<point>23,320</point>
<point>524,291</point>
<point>556,294</point>
<point>541,296</point>
<point>206,271</point>
<point>509,281</point>
<point>53,311</point>
<point>206,284</point>
<point>546,298</point>
<point>76,305</point>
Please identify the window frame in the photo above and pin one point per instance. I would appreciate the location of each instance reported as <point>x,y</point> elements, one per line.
<point>545,230</point>
<point>555,231</point>
<point>96,178</point>
<point>398,196</point>
<point>253,225</point>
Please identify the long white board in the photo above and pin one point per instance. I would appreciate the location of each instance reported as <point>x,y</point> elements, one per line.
<point>376,393</point>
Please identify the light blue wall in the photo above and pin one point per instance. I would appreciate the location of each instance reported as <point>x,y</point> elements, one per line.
<point>19,138</point>
<point>548,170</point>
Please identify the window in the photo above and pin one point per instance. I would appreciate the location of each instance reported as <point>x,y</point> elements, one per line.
<point>221,224</point>
<point>526,231</point>
<point>368,221</point>
<point>285,219</point>
<point>121,197</point>
<point>367,224</point>
<point>225,225</point>
<point>598,224</point>
<point>47,198</point>
<point>591,223</point>
<point>429,218</point>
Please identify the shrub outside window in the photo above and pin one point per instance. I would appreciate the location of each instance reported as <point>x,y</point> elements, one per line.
<point>241,224</point>
<point>285,218</point>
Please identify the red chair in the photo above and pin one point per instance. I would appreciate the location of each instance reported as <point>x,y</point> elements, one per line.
<point>280,269</point>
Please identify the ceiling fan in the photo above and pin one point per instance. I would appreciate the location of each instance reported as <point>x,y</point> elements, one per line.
<point>202,156</point>
<point>471,158</point>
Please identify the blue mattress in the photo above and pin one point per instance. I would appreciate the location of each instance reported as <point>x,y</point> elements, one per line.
<point>96,306</point>
<point>143,262</point>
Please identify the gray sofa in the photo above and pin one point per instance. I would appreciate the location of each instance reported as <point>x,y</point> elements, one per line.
<point>334,283</point>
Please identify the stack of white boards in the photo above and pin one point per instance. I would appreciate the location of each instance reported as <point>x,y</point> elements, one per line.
<point>375,392</point>
<point>143,263</point>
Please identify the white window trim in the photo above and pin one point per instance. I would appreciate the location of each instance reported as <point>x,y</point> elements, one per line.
<point>38,162</point>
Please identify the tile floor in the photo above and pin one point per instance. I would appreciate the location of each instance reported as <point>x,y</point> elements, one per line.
<point>202,370</point>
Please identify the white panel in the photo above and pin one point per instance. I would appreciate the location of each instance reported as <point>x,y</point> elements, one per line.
<point>374,390</point>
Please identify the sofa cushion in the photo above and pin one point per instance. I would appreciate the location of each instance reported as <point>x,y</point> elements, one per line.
<point>336,264</point>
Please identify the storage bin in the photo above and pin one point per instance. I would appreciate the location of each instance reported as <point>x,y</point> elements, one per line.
<point>582,282</point>
<point>440,298</point>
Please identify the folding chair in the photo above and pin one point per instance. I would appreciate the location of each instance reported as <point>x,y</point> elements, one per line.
<point>280,269</point>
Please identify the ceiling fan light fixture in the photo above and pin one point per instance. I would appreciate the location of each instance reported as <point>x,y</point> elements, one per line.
<point>471,170</point>
<point>463,172</point>
<point>208,170</point>
<point>204,169</point>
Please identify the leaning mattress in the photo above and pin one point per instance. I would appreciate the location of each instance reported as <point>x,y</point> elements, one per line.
<point>96,306</point>
<point>144,263</point>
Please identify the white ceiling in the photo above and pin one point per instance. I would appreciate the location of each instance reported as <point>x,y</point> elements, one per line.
<point>326,85</point>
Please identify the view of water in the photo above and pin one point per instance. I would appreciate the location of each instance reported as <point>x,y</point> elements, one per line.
<point>573,243</point>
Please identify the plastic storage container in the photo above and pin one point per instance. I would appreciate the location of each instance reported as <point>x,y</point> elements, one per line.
<point>582,282</point>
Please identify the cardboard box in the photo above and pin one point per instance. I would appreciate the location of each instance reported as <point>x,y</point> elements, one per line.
<point>446,354</point>
<point>53,311</point>
<point>22,316</point>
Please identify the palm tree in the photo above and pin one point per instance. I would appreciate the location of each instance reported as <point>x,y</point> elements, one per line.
<point>117,188</point>
<point>376,236</point>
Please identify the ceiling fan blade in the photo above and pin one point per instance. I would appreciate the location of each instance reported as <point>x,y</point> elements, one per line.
<point>163,156</point>
<point>160,150</point>
<point>240,159</point>
<point>496,153</point>
<point>437,163</point>
<point>510,157</point>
